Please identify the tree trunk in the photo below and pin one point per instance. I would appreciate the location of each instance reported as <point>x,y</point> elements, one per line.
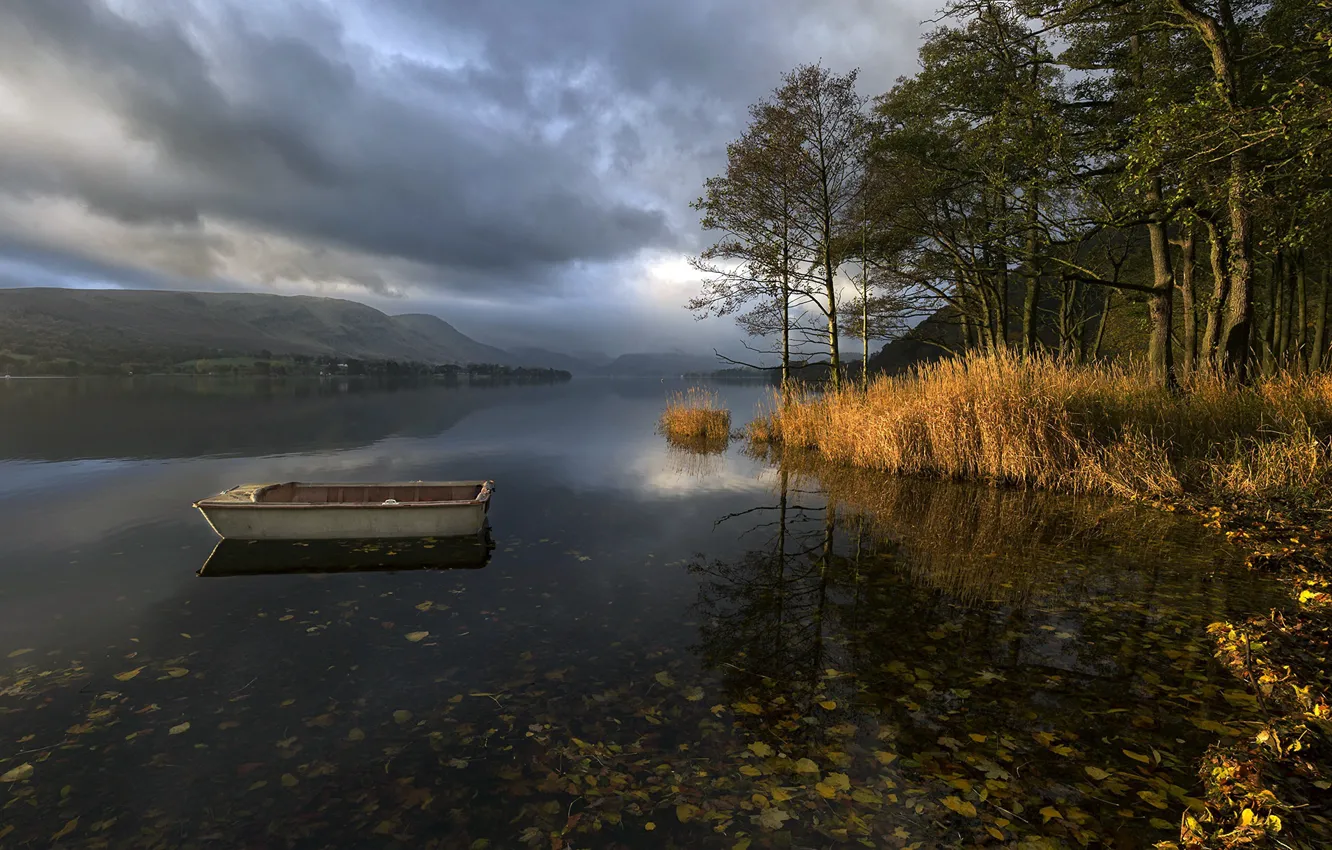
<point>1187,247</point>
<point>1281,280</point>
<point>1160,358</point>
<point>1301,318</point>
<point>1239,304</point>
<point>1221,37</point>
<point>1211,357</point>
<point>1320,326</point>
<point>1033,280</point>
<point>1268,332</point>
<point>1100,324</point>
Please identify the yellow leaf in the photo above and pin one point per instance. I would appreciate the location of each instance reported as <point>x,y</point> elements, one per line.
<point>780,795</point>
<point>356,735</point>
<point>255,786</point>
<point>16,653</point>
<point>694,694</point>
<point>402,715</point>
<point>178,729</point>
<point>417,636</point>
<point>750,770</point>
<point>289,781</point>
<point>177,672</point>
<point>1138,756</point>
<point>885,758</point>
<point>980,739</point>
<point>742,844</point>
<point>685,812</point>
<point>829,704</point>
<point>649,826</point>
<point>425,606</point>
<point>825,790</point>
<point>128,674</point>
<point>962,807</point>
<point>1096,773</point>
<point>840,781</point>
<point>17,774</point>
<point>69,827</point>
<point>1050,813</point>
<point>663,678</point>
<point>995,832</point>
<point>1246,817</point>
<point>772,818</point>
<point>760,749</point>
<point>806,766</point>
<point>748,708</point>
<point>1157,823</point>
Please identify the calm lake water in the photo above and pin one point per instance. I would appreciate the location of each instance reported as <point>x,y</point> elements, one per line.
<point>664,649</point>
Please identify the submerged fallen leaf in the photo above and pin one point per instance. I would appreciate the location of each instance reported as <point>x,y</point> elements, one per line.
<point>694,694</point>
<point>356,735</point>
<point>664,678</point>
<point>760,749</point>
<point>1138,756</point>
<point>17,774</point>
<point>685,812</point>
<point>425,606</point>
<point>128,674</point>
<point>402,715</point>
<point>289,781</point>
<point>829,704</point>
<point>1096,773</point>
<point>176,730</point>
<point>177,672</point>
<point>806,766</point>
<point>962,807</point>
<point>415,637</point>
<point>69,827</point>
<point>772,818</point>
<point>16,653</point>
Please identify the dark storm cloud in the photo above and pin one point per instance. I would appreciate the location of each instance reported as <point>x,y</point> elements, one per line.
<point>468,146</point>
<point>375,159</point>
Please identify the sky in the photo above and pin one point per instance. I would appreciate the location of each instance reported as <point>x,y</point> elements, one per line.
<point>521,168</point>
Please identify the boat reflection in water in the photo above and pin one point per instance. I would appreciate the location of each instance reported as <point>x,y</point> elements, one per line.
<point>279,557</point>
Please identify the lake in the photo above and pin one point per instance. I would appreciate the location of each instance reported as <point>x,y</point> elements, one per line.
<point>663,649</point>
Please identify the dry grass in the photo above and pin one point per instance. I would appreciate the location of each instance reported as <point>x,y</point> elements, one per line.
<point>1051,424</point>
<point>694,417</point>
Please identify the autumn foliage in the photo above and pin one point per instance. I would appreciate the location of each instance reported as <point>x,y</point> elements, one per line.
<point>695,416</point>
<point>1052,424</point>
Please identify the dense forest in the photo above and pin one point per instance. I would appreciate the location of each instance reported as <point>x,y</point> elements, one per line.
<point>1052,170</point>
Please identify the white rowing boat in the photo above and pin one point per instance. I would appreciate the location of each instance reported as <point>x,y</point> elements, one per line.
<point>311,511</point>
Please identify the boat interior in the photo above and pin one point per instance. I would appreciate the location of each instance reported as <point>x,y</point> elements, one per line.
<point>367,494</point>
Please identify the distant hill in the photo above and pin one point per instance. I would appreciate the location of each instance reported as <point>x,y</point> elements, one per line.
<point>106,325</point>
<point>529,356</point>
<point>660,365</point>
<point>468,350</point>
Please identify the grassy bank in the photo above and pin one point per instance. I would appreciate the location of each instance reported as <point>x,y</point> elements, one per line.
<point>1254,462</point>
<point>695,417</point>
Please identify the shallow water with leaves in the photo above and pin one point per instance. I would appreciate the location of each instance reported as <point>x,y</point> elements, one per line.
<point>663,649</point>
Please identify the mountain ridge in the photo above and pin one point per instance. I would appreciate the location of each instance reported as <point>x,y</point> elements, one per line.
<point>112,326</point>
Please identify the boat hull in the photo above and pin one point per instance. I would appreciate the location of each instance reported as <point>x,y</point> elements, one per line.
<point>333,522</point>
